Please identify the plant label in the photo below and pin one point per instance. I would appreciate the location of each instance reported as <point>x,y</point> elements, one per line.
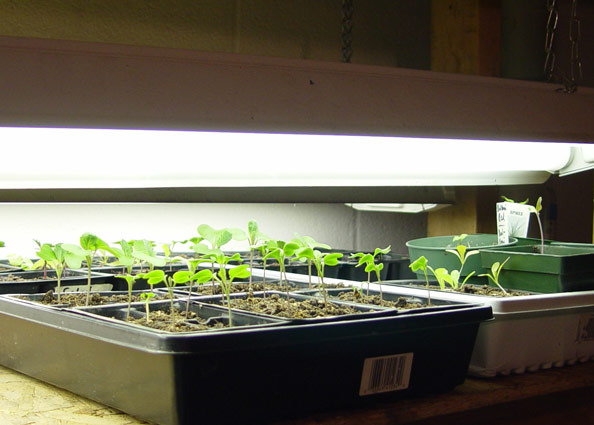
<point>98,287</point>
<point>386,373</point>
<point>512,221</point>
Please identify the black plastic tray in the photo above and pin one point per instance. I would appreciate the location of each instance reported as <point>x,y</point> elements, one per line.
<point>248,375</point>
<point>70,278</point>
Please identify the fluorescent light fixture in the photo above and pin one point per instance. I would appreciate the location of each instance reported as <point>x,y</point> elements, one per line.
<point>582,159</point>
<point>398,208</point>
<point>54,158</point>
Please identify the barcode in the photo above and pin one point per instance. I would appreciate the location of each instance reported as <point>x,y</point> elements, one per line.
<point>586,328</point>
<point>386,373</point>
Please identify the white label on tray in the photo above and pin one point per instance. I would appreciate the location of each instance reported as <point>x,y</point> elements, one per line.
<point>386,373</point>
<point>98,287</point>
<point>512,220</point>
<point>586,328</point>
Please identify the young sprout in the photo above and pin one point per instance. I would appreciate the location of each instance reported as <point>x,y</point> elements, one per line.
<point>536,210</point>
<point>364,259</point>
<point>217,239</point>
<point>368,260</point>
<point>89,245</point>
<point>307,244</point>
<point>130,280</point>
<point>320,262</point>
<point>494,275</point>
<point>124,256</point>
<point>442,276</point>
<point>281,251</point>
<point>155,277</point>
<point>239,272</point>
<point>58,258</point>
<point>255,239</point>
<point>421,264</point>
<point>146,298</point>
<point>143,251</point>
<point>264,251</point>
<point>462,253</point>
<point>200,278</point>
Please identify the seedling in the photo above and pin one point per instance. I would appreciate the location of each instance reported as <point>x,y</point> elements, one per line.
<point>281,251</point>
<point>130,280</point>
<point>200,278</point>
<point>421,264</point>
<point>124,256</point>
<point>217,239</point>
<point>494,275</point>
<point>255,239</point>
<point>462,253</point>
<point>146,298</point>
<point>368,260</point>
<point>226,282</point>
<point>536,210</point>
<point>320,262</point>
<point>306,254</point>
<point>364,259</point>
<point>89,245</point>
<point>155,277</point>
<point>58,258</point>
<point>442,276</point>
<point>23,263</point>
<point>143,251</point>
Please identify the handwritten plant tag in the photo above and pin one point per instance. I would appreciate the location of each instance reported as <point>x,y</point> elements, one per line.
<point>512,221</point>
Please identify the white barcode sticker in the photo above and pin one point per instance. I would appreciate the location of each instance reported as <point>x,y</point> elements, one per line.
<point>586,328</point>
<point>386,373</point>
<point>97,287</point>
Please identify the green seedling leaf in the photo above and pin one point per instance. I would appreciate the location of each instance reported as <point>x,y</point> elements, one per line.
<point>151,259</point>
<point>181,277</point>
<point>442,275</point>
<point>419,264</point>
<point>382,251</point>
<point>240,272</point>
<point>305,253</point>
<point>202,276</point>
<point>331,259</point>
<point>365,259</point>
<point>153,277</point>
<point>46,252</point>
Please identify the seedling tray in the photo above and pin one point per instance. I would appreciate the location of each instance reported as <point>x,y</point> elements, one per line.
<point>36,298</point>
<point>562,268</point>
<point>204,313</point>
<point>529,332</point>
<point>365,311</point>
<point>248,374</point>
<point>72,278</point>
<point>394,296</point>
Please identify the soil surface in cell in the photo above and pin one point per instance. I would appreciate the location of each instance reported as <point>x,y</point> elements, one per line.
<point>486,290</point>
<point>79,299</point>
<point>162,320</point>
<point>280,306</point>
<point>362,298</point>
<point>209,289</point>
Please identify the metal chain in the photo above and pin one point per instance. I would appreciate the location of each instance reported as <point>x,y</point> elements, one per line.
<point>552,21</point>
<point>575,66</point>
<point>347,30</point>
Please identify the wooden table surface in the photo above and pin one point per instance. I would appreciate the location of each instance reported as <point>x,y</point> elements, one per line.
<point>26,401</point>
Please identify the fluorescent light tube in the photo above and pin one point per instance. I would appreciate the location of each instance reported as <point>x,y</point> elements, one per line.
<point>53,158</point>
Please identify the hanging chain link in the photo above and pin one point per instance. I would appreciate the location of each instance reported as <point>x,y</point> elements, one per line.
<point>573,77</point>
<point>347,30</point>
<point>552,21</point>
<point>575,65</point>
